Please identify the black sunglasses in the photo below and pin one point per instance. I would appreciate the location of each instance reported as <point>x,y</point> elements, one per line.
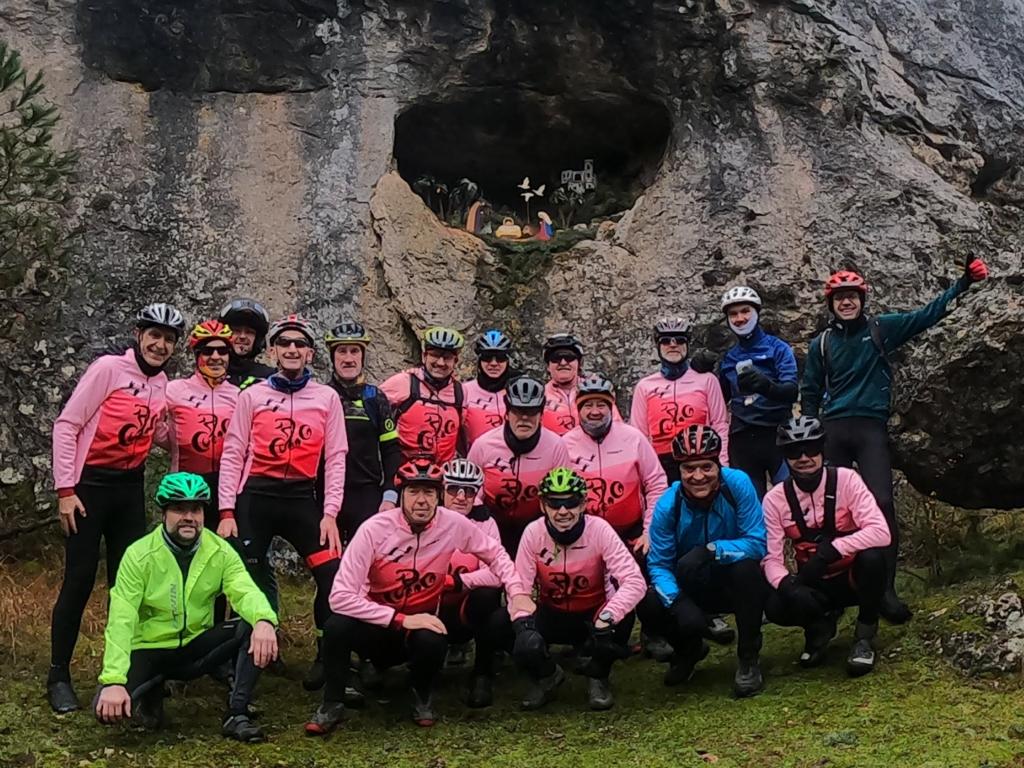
<point>297,343</point>
<point>493,357</point>
<point>454,490</point>
<point>563,357</point>
<point>674,338</point>
<point>796,450</point>
<point>208,350</point>
<point>565,502</point>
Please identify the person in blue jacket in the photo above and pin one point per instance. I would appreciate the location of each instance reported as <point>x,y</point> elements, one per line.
<point>707,539</point>
<point>847,384</point>
<point>759,381</point>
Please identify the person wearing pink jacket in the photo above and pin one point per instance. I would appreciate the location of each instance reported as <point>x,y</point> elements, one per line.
<point>563,356</point>
<point>839,536</point>
<point>388,592</point>
<point>677,396</point>
<point>281,428</point>
<point>515,458</point>
<point>485,394</point>
<point>588,585</point>
<point>101,440</point>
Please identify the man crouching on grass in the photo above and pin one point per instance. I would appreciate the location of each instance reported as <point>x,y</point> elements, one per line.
<point>161,625</point>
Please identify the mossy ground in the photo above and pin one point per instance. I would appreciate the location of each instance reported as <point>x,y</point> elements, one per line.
<point>913,711</point>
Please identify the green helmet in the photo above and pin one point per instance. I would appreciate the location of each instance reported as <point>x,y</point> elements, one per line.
<point>562,481</point>
<point>182,486</point>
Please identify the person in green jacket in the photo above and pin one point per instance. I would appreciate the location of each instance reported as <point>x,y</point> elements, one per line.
<point>160,625</point>
<point>847,384</point>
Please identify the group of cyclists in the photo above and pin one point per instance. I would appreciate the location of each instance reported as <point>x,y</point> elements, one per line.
<point>511,512</point>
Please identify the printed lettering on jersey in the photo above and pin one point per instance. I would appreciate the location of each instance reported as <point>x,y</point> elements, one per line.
<point>576,588</point>
<point>209,435</point>
<point>124,433</point>
<point>404,587</point>
<point>430,428</point>
<point>510,492</point>
<point>668,414</point>
<point>286,442</point>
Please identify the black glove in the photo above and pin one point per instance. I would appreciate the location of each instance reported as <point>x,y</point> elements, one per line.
<point>524,624</point>
<point>692,562</point>
<point>813,570</point>
<point>805,601</point>
<point>703,361</point>
<point>752,380</point>
<point>604,640</point>
<point>828,552</point>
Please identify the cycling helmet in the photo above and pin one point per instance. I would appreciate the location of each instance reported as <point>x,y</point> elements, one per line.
<point>443,338</point>
<point>209,330</point>
<point>161,315</point>
<point>247,312</point>
<point>697,441</point>
<point>348,332</point>
<point>463,472</point>
<point>562,341</point>
<point>182,487</point>
<point>844,280</point>
<point>741,294</point>
<point>672,326</point>
<point>562,481</point>
<point>594,385</point>
<point>493,341</point>
<point>292,323</point>
<point>800,429</point>
<point>524,393</point>
<point>420,470</point>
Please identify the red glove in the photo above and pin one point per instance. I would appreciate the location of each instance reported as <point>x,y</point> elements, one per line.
<point>975,270</point>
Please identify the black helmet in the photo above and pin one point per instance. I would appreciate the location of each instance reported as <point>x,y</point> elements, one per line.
<point>525,393</point>
<point>671,326</point>
<point>697,441</point>
<point>800,429</point>
<point>562,341</point>
<point>251,314</point>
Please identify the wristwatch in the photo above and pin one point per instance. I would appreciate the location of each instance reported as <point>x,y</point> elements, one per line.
<point>606,617</point>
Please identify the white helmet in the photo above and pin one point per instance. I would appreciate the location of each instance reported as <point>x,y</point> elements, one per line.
<point>741,294</point>
<point>463,472</point>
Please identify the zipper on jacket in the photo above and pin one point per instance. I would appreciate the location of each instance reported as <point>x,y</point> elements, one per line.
<point>291,418</point>
<point>213,437</point>
<point>184,604</point>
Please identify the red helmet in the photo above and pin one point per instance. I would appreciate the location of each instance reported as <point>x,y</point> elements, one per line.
<point>209,330</point>
<point>697,441</point>
<point>419,471</point>
<point>845,280</point>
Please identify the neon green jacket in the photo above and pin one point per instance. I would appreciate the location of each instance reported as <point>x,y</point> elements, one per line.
<point>150,607</point>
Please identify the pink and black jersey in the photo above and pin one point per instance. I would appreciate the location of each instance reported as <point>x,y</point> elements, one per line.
<point>429,420</point>
<point>110,419</point>
<point>197,420</point>
<point>560,414</point>
<point>663,407</point>
<point>482,411</point>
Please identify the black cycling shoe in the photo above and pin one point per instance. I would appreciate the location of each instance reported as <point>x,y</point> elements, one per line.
<point>681,668</point>
<point>327,717</point>
<point>748,680</point>
<point>816,639</point>
<point>354,698</point>
<point>423,713</point>
<point>720,632</point>
<point>542,691</point>
<point>62,697</point>
<point>481,692</point>
<point>861,659</point>
<point>656,648</point>
<point>241,728</point>
<point>599,694</point>
<point>894,610</point>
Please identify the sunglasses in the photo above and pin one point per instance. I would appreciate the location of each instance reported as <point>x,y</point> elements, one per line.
<point>297,343</point>
<point>562,357</point>
<point>208,351</point>
<point>493,357</point>
<point>796,450</point>
<point>460,490</point>
<point>569,502</point>
<point>673,340</point>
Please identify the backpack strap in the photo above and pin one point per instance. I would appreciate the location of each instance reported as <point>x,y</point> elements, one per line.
<point>796,510</point>
<point>370,404</point>
<point>875,328</point>
<point>826,353</point>
<point>414,395</point>
<point>460,397</point>
<point>831,482</point>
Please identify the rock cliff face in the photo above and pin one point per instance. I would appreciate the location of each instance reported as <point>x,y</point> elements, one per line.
<point>249,148</point>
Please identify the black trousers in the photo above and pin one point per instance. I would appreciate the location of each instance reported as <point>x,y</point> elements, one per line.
<point>260,517</point>
<point>115,512</point>
<point>424,650</point>
<point>511,534</point>
<point>670,465</point>
<point>738,588</point>
<point>862,585</point>
<point>360,503</point>
<point>753,450</point>
<point>530,648</point>
<point>865,441</point>
<point>475,616</point>
<point>151,667</point>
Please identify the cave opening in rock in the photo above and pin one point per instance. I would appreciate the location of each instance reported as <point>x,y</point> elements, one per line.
<point>497,137</point>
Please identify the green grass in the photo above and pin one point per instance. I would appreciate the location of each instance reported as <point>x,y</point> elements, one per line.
<point>912,711</point>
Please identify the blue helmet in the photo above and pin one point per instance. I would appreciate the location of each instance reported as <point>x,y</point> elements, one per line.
<point>493,341</point>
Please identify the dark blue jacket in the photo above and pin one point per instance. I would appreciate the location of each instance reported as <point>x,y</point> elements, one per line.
<point>774,358</point>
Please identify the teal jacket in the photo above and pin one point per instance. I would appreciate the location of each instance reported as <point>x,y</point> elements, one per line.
<point>859,377</point>
<point>151,607</point>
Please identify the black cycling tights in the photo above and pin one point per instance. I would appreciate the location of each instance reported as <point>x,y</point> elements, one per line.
<point>260,517</point>
<point>114,511</point>
<point>753,450</point>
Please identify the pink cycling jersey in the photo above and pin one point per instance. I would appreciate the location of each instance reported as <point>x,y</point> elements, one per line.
<point>282,435</point>
<point>428,424</point>
<point>109,420</point>
<point>510,481</point>
<point>663,407</point>
<point>197,420</point>
<point>560,414</point>
<point>475,574</point>
<point>860,524</point>
<point>388,569</point>
<point>583,576</point>
<point>623,474</point>
<point>483,410</point>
